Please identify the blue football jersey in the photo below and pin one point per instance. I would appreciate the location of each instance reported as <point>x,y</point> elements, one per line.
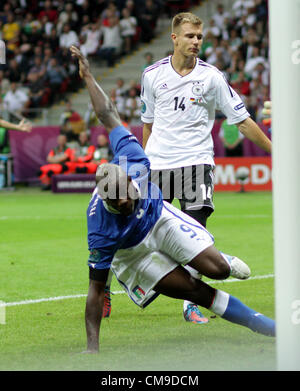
<point>108,231</point>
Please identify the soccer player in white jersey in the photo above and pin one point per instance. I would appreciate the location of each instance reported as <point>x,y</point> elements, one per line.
<point>180,94</point>
<point>144,239</point>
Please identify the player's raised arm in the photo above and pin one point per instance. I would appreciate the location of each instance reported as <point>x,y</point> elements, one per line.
<point>104,108</point>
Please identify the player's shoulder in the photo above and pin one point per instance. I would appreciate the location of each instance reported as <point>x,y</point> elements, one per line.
<point>211,70</point>
<point>153,69</point>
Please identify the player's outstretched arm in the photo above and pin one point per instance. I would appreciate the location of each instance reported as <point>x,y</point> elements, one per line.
<point>104,108</point>
<point>93,315</point>
<point>22,126</point>
<point>253,132</point>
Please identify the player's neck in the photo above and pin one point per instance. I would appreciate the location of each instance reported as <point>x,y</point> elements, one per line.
<point>183,65</point>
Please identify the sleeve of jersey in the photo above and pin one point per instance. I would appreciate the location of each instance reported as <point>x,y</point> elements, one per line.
<point>147,100</point>
<point>126,147</point>
<point>229,102</point>
<point>100,258</point>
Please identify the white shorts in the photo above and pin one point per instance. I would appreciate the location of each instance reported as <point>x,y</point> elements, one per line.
<point>174,240</point>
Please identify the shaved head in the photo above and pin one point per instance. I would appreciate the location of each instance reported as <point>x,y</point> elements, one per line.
<point>112,181</point>
<point>116,189</point>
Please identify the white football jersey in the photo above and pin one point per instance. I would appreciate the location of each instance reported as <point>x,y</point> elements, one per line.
<point>182,110</point>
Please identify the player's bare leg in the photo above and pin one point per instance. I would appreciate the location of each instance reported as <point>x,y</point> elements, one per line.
<point>180,284</point>
<point>191,311</point>
<point>216,265</point>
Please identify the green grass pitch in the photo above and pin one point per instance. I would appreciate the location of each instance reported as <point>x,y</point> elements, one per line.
<point>43,254</point>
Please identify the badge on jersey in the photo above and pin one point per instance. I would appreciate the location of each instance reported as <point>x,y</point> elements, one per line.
<point>138,291</point>
<point>239,106</point>
<point>143,107</point>
<point>196,101</point>
<point>197,90</point>
<point>94,256</point>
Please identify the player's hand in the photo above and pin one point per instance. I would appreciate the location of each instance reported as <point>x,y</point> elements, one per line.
<point>84,66</point>
<point>24,126</point>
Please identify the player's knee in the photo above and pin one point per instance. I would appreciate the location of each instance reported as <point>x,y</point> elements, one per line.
<point>222,268</point>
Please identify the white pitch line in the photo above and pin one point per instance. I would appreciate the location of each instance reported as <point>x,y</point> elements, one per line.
<point>250,216</point>
<point>34,301</point>
<point>237,280</point>
<point>57,298</point>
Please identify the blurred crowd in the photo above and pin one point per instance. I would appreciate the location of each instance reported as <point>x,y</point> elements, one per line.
<point>37,34</point>
<point>74,155</point>
<point>237,44</point>
<point>39,69</point>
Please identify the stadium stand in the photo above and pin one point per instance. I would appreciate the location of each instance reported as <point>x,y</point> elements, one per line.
<point>37,35</point>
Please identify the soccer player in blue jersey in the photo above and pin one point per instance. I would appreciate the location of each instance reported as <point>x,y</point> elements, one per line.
<point>146,241</point>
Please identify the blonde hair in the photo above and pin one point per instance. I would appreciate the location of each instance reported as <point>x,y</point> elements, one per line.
<point>185,17</point>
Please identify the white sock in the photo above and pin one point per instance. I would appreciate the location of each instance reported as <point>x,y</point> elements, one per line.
<point>186,303</point>
<point>220,303</point>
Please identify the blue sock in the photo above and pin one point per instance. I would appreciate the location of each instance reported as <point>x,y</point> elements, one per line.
<point>239,313</point>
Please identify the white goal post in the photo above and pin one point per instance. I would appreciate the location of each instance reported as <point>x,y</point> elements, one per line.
<point>284,17</point>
